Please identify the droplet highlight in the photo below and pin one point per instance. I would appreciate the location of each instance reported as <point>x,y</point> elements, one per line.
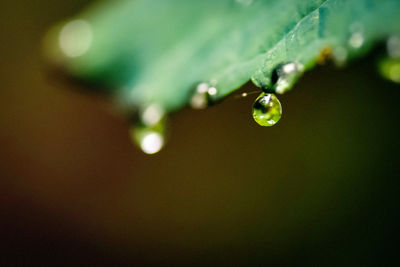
<point>285,75</point>
<point>150,142</point>
<point>267,110</point>
<point>150,139</point>
<point>203,96</point>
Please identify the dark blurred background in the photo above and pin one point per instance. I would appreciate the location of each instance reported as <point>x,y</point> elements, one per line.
<point>319,188</point>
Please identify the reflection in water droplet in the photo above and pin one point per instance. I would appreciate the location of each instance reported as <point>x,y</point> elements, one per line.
<point>76,38</point>
<point>285,75</point>
<point>393,46</point>
<point>267,110</point>
<point>390,69</point>
<point>203,96</point>
<point>152,114</point>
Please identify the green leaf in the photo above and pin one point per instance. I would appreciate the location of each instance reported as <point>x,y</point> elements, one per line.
<point>156,51</point>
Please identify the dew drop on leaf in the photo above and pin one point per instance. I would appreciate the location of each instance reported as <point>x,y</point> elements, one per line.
<point>150,140</point>
<point>203,96</point>
<point>148,133</point>
<point>152,114</point>
<point>285,75</point>
<point>267,110</point>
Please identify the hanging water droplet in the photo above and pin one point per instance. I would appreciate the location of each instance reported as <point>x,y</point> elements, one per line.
<point>150,139</point>
<point>151,142</point>
<point>390,69</point>
<point>203,96</point>
<point>152,114</point>
<point>148,132</point>
<point>285,75</point>
<point>267,110</point>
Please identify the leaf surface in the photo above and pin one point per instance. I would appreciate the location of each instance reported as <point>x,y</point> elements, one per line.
<point>157,51</point>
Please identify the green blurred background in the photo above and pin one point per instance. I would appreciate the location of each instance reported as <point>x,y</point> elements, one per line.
<point>319,188</point>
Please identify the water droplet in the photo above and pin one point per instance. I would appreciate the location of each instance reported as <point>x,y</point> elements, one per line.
<point>203,96</point>
<point>152,114</point>
<point>149,129</point>
<point>267,110</point>
<point>356,39</point>
<point>390,69</point>
<point>393,46</point>
<point>75,38</point>
<point>285,75</point>
<point>151,142</point>
<point>150,139</point>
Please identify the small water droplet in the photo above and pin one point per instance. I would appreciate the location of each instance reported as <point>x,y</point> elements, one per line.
<point>357,38</point>
<point>75,38</point>
<point>151,142</point>
<point>152,114</point>
<point>150,139</point>
<point>267,110</point>
<point>203,96</point>
<point>390,69</point>
<point>148,131</point>
<point>285,75</point>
